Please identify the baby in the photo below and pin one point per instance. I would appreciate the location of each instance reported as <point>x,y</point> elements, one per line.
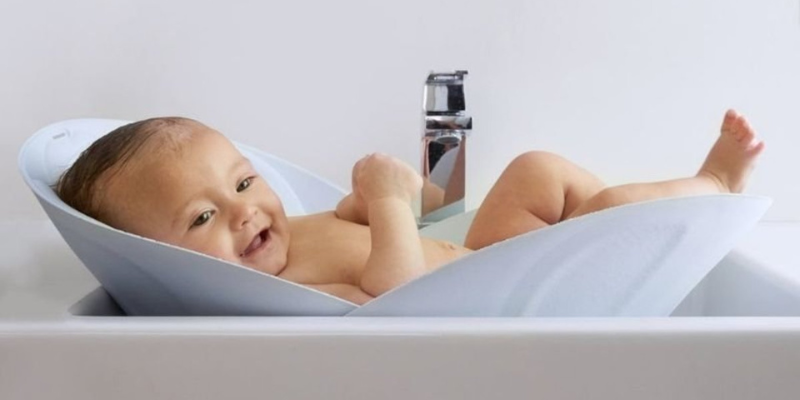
<point>180,182</point>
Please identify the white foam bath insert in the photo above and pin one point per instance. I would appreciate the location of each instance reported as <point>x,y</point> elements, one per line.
<point>636,260</point>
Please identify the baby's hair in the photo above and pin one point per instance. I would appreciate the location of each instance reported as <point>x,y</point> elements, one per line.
<point>77,186</point>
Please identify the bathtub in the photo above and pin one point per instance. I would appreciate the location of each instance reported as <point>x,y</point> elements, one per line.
<point>735,336</point>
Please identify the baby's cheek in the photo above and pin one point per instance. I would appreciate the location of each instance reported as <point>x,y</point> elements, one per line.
<point>225,250</point>
<point>216,247</point>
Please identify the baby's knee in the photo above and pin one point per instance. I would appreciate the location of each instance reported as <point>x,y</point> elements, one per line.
<point>536,159</point>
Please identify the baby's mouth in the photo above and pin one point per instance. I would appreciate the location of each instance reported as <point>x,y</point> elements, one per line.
<point>259,242</point>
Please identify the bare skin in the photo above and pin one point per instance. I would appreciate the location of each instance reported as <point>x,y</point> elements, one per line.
<point>541,189</point>
<point>370,244</point>
<point>205,196</point>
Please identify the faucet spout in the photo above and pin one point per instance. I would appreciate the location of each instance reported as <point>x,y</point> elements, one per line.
<point>445,128</point>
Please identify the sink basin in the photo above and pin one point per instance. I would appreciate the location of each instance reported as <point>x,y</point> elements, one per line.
<point>735,336</point>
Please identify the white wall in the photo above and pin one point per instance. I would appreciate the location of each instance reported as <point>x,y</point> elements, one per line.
<point>631,89</point>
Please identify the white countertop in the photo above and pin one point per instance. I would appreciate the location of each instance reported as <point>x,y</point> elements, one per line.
<point>45,352</point>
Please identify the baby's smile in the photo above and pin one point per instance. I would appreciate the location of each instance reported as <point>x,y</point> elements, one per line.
<point>260,242</point>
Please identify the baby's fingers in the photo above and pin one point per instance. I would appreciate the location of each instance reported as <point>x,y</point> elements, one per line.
<point>358,167</point>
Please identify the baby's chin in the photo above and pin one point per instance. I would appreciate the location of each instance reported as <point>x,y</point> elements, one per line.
<point>269,266</point>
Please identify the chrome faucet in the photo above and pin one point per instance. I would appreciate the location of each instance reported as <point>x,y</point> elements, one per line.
<point>444,138</point>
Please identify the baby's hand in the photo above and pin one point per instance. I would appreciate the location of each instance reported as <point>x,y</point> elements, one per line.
<point>379,176</point>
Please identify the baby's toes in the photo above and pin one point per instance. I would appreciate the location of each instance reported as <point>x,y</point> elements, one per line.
<point>730,116</point>
<point>729,123</point>
<point>738,129</point>
<point>755,147</point>
<point>744,133</point>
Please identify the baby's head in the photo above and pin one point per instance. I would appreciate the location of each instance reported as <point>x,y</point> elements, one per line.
<point>178,181</point>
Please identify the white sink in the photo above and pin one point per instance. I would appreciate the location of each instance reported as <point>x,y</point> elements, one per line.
<point>736,336</point>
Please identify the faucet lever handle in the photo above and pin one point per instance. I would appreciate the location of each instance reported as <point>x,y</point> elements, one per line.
<point>444,93</point>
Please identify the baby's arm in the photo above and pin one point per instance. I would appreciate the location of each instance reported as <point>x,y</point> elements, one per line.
<point>387,186</point>
<point>353,208</point>
<point>349,210</point>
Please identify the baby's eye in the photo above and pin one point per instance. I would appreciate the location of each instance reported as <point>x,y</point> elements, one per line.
<point>244,184</point>
<point>202,219</point>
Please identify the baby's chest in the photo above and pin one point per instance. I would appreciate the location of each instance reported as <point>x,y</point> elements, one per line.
<point>331,253</point>
<point>326,250</point>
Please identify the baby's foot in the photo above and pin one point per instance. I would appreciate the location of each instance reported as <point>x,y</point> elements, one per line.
<point>734,154</point>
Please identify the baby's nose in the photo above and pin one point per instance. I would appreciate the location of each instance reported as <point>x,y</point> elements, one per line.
<point>243,215</point>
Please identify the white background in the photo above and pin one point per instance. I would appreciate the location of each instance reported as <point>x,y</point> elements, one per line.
<point>630,89</point>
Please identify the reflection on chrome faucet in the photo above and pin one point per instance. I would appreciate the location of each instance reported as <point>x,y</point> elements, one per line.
<point>444,146</point>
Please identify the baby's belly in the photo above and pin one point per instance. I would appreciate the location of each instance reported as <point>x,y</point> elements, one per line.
<point>335,251</point>
<point>439,252</point>
<point>351,260</point>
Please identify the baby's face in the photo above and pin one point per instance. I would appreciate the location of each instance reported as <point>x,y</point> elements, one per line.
<point>205,197</point>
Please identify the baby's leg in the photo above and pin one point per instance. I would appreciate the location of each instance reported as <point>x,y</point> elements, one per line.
<point>726,170</point>
<point>537,189</point>
<point>540,189</point>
